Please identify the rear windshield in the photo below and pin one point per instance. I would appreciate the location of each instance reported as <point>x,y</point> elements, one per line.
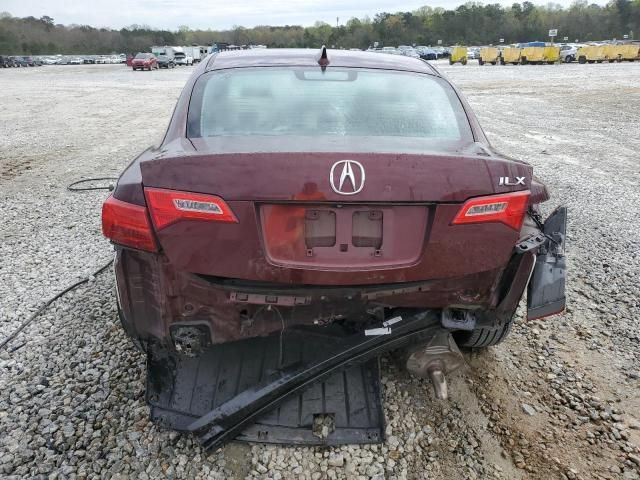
<point>307,102</point>
<point>143,55</point>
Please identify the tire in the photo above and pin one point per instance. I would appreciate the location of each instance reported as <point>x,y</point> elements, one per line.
<point>450,62</point>
<point>480,61</point>
<point>582,60</point>
<point>493,63</point>
<point>483,337</point>
<point>523,61</point>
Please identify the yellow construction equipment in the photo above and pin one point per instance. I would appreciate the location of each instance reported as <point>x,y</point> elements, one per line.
<point>618,53</point>
<point>489,55</point>
<point>533,55</point>
<point>629,52</point>
<point>591,54</point>
<point>511,55</point>
<point>611,53</point>
<point>551,54</point>
<point>458,54</point>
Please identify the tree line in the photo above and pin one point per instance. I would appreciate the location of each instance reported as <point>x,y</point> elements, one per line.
<point>469,24</point>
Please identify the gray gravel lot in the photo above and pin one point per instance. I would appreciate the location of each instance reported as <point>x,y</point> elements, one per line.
<point>559,399</point>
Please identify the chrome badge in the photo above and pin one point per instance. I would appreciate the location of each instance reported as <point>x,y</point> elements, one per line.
<point>351,179</point>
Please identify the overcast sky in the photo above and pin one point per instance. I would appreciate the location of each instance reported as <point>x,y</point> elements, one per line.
<point>215,14</point>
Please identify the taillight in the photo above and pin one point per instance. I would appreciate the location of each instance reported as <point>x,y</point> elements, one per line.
<point>171,206</point>
<point>507,208</point>
<point>127,224</point>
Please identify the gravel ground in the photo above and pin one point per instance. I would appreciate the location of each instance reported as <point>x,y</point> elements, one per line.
<point>559,399</point>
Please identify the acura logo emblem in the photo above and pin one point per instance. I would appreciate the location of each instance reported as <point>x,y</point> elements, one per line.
<point>347,177</point>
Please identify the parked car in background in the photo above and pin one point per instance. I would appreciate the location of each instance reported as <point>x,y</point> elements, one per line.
<point>441,52</point>
<point>391,50</point>
<point>427,53</point>
<point>473,53</point>
<point>568,53</point>
<point>5,61</point>
<point>165,62</point>
<point>76,61</point>
<point>410,52</point>
<point>182,59</point>
<point>144,61</point>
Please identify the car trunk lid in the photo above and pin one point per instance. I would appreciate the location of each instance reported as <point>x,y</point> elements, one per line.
<point>331,212</point>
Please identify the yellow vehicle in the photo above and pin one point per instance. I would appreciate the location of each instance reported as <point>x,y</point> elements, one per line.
<point>618,53</point>
<point>534,55</point>
<point>458,54</point>
<point>591,54</point>
<point>551,54</point>
<point>629,52</point>
<point>489,55</point>
<point>511,55</point>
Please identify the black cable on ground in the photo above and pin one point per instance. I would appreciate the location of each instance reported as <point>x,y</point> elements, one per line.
<point>72,187</point>
<point>28,321</point>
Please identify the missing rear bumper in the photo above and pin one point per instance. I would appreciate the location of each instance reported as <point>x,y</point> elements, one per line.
<point>282,389</point>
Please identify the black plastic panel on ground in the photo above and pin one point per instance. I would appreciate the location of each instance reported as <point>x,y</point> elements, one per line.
<point>181,389</point>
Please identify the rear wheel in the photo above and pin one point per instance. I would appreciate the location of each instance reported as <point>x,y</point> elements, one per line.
<point>483,337</point>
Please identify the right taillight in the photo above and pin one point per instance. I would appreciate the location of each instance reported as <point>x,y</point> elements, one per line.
<point>127,224</point>
<point>507,208</point>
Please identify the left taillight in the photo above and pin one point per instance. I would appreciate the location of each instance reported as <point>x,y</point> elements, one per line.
<point>127,224</point>
<point>170,206</point>
<point>507,208</point>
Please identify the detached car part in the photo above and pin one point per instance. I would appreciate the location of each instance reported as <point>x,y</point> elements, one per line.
<point>546,294</point>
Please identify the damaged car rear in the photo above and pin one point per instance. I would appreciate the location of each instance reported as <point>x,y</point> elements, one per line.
<point>305,213</point>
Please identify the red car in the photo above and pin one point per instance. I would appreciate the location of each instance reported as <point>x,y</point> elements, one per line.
<point>309,191</point>
<point>144,61</point>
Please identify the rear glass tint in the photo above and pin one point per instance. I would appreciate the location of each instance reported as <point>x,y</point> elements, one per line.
<point>307,102</point>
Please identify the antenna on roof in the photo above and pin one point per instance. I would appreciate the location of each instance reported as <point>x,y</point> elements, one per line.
<point>323,59</point>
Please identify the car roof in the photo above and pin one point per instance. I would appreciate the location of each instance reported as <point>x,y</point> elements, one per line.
<point>302,57</point>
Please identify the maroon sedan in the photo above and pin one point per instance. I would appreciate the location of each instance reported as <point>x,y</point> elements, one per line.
<point>301,190</point>
<point>144,61</point>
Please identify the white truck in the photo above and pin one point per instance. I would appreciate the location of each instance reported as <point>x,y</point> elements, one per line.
<point>197,52</point>
<point>181,57</point>
<point>166,50</point>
